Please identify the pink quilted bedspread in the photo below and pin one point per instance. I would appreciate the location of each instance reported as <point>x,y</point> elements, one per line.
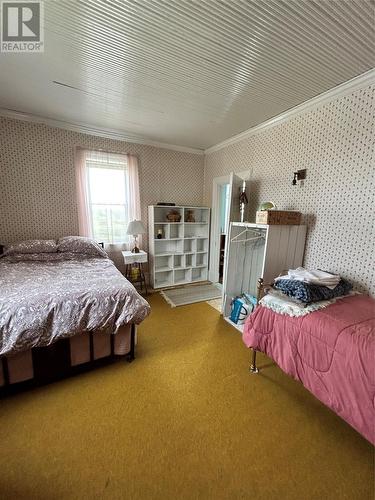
<point>331,351</point>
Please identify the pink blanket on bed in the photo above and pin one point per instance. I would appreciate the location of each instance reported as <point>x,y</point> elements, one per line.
<point>331,351</point>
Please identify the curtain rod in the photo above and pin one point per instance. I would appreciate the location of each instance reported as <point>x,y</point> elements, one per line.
<point>105,151</point>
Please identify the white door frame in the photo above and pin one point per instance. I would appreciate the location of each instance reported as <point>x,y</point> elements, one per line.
<point>213,273</point>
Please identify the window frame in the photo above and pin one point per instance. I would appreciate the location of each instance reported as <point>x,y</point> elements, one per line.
<point>92,163</point>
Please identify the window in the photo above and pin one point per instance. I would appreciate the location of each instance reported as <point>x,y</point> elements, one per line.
<point>108,195</point>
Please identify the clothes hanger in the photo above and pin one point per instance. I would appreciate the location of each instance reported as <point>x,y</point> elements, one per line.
<point>253,238</point>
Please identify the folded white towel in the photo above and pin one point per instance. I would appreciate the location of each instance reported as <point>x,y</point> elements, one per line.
<point>283,305</point>
<point>315,277</point>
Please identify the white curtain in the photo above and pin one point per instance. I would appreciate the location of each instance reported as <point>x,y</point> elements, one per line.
<point>134,193</point>
<point>84,222</point>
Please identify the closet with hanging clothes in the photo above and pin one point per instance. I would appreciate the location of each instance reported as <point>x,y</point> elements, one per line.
<point>256,251</point>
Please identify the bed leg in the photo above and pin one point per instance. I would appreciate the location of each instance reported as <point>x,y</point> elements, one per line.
<point>253,365</point>
<point>131,354</point>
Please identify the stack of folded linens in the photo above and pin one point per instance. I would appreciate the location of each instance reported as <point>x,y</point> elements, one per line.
<point>312,286</point>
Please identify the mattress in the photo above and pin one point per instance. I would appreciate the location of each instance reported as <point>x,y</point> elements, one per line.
<point>331,351</point>
<point>48,297</point>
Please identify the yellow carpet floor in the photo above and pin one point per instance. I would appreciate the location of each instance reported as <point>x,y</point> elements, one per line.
<point>186,420</point>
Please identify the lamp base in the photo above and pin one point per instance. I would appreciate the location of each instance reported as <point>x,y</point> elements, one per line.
<point>135,250</point>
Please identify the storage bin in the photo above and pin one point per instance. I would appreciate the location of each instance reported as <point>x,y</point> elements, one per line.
<point>278,217</point>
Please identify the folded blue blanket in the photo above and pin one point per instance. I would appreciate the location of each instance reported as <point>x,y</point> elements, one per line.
<point>306,292</point>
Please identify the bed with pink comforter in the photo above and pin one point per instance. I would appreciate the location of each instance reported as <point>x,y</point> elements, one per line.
<point>331,351</point>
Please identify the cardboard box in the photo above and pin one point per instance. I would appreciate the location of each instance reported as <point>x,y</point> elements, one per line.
<point>278,217</point>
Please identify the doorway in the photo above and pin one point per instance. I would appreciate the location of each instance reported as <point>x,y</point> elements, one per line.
<point>225,208</point>
<point>219,223</point>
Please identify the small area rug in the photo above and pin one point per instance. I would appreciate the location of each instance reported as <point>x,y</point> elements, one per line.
<point>191,294</point>
<point>216,304</point>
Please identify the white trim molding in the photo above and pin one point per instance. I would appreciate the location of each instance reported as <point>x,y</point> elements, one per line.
<point>85,128</point>
<point>363,80</point>
<point>213,271</point>
<point>345,88</point>
<point>215,220</point>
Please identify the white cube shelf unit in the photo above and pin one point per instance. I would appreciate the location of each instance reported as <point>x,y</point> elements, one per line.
<point>181,255</point>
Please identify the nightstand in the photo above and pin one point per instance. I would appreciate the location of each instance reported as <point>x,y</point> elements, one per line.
<point>134,267</point>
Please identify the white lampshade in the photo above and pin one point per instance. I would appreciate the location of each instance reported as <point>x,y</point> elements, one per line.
<point>136,227</point>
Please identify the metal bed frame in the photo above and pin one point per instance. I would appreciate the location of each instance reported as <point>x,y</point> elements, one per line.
<point>41,355</point>
<point>261,290</point>
<point>44,363</point>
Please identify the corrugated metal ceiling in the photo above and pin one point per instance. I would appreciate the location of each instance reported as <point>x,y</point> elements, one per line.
<point>191,73</point>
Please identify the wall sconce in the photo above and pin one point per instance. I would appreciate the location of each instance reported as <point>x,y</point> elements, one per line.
<point>300,175</point>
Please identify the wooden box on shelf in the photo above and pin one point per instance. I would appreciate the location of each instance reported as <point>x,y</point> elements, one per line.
<point>278,217</point>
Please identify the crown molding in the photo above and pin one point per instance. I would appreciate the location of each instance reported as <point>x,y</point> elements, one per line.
<point>345,88</point>
<point>85,128</point>
<point>341,90</point>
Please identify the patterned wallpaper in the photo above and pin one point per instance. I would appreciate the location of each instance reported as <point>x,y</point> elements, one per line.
<point>335,143</point>
<point>37,188</point>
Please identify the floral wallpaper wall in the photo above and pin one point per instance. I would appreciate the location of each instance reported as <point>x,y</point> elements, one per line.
<point>335,143</point>
<point>37,186</point>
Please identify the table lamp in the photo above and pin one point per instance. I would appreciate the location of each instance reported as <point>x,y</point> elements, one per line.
<point>135,228</point>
